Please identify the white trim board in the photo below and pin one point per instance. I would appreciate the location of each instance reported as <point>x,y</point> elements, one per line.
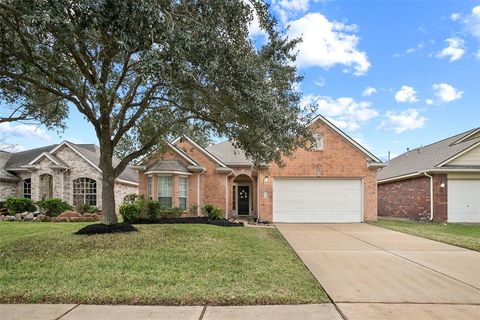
<point>473,146</point>
<point>44,154</point>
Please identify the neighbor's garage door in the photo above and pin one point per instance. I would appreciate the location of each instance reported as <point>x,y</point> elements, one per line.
<point>463,200</point>
<point>317,200</point>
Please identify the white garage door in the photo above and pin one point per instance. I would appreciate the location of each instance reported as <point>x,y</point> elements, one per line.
<point>464,200</point>
<point>317,200</point>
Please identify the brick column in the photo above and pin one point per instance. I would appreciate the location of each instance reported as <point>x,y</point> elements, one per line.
<point>175,193</point>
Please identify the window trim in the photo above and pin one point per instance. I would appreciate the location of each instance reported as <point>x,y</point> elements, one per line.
<point>24,187</point>
<point>85,194</point>
<point>322,140</point>
<point>150,187</point>
<point>171,189</point>
<point>186,192</point>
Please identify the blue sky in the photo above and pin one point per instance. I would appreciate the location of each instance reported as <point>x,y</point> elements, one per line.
<point>391,74</point>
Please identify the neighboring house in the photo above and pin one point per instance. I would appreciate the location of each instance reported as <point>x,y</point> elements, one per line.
<point>335,181</point>
<point>67,170</point>
<point>447,171</point>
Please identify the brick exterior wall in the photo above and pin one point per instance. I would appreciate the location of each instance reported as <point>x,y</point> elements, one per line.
<point>338,159</point>
<point>410,198</point>
<point>7,189</point>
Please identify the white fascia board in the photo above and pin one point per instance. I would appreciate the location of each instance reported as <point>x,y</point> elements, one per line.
<point>458,155</point>
<point>202,149</point>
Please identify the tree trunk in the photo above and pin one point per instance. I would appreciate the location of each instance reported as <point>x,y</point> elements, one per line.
<point>108,186</point>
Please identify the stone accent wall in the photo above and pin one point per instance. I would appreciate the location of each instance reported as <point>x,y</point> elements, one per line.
<point>410,198</point>
<point>338,159</point>
<point>121,190</point>
<point>7,189</point>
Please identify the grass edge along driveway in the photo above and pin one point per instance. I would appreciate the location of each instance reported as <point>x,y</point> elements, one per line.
<point>161,264</point>
<point>462,235</point>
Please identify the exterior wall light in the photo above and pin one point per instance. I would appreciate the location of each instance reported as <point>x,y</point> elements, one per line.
<point>265,180</point>
<point>442,185</point>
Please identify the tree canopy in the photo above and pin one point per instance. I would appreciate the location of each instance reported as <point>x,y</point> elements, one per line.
<point>143,71</point>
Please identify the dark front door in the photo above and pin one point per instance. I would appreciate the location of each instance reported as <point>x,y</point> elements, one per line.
<point>243,200</point>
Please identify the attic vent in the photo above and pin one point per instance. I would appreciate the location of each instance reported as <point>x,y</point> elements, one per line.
<point>182,140</point>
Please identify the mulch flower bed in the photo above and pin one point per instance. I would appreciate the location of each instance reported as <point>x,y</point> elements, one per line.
<point>100,228</point>
<point>192,220</point>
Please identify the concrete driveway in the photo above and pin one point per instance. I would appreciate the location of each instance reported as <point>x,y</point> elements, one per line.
<point>375,273</point>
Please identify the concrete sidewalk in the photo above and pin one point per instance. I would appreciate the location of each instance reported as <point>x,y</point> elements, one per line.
<point>105,312</point>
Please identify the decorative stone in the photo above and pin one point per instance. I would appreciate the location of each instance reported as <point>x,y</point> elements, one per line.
<point>70,214</point>
<point>9,218</point>
<point>43,218</point>
<point>53,219</point>
<point>88,219</point>
<point>62,219</point>
<point>18,217</point>
<point>24,214</point>
<point>98,217</point>
<point>2,217</point>
<point>29,217</point>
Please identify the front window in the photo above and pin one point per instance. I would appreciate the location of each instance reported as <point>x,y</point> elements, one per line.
<point>182,193</point>
<point>85,191</point>
<point>318,141</point>
<point>27,188</point>
<point>150,188</point>
<point>165,191</point>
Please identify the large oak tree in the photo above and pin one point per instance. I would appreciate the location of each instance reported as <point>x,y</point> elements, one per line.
<point>142,71</point>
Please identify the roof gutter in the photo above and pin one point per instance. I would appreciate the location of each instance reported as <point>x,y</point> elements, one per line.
<point>436,170</point>
<point>376,164</point>
<point>431,194</point>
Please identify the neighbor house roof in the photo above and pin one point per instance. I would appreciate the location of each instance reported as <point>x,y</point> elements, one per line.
<point>430,157</point>
<point>4,174</point>
<point>90,152</point>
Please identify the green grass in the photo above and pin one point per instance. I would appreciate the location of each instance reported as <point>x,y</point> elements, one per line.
<point>161,264</point>
<point>462,235</point>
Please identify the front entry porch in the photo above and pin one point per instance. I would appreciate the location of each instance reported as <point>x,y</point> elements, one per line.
<point>243,196</point>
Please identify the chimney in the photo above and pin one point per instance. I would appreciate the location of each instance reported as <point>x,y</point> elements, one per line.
<point>388,156</point>
<point>408,149</point>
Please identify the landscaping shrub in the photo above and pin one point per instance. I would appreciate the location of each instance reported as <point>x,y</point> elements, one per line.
<point>53,206</point>
<point>86,208</point>
<point>18,205</point>
<point>215,214</point>
<point>132,198</point>
<point>193,209</point>
<point>170,212</point>
<point>130,212</point>
<point>207,209</point>
<point>153,210</point>
<point>142,207</point>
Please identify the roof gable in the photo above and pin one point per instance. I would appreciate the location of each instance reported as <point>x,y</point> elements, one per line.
<point>201,149</point>
<point>346,137</point>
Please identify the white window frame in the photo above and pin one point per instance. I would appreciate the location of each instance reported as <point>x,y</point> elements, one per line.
<point>26,182</point>
<point>86,186</point>
<point>319,141</point>
<point>160,189</point>
<point>150,187</point>
<point>185,192</point>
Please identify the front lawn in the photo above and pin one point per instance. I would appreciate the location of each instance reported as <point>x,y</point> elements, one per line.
<point>161,264</point>
<point>462,235</point>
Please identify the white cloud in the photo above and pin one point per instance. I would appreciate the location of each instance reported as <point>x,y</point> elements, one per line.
<point>446,92</point>
<point>455,16</point>
<point>287,8</point>
<point>24,131</point>
<point>320,82</point>
<point>477,54</point>
<point>429,102</point>
<point>328,43</point>
<point>369,91</point>
<point>254,28</point>
<point>472,22</point>
<point>454,50</point>
<point>345,112</point>
<point>12,147</point>
<point>363,142</point>
<point>406,94</point>
<point>403,121</point>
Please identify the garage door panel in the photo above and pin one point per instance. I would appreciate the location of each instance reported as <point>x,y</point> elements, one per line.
<point>317,200</point>
<point>464,200</point>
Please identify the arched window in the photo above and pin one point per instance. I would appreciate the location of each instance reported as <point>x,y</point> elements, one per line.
<point>27,188</point>
<point>85,191</point>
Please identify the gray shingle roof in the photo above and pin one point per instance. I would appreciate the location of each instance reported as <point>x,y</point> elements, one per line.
<point>427,157</point>
<point>89,151</point>
<point>4,174</point>
<point>228,154</point>
<point>167,165</point>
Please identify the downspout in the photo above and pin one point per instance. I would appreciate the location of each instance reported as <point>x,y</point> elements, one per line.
<point>226,194</point>
<point>198,192</point>
<point>431,194</point>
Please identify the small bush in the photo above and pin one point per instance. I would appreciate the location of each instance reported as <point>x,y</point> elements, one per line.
<point>2,205</point>
<point>86,208</point>
<point>170,212</point>
<point>193,209</point>
<point>53,206</point>
<point>153,210</point>
<point>18,205</point>
<point>207,209</point>
<point>142,207</point>
<point>130,212</point>
<point>131,198</point>
<point>215,214</point>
